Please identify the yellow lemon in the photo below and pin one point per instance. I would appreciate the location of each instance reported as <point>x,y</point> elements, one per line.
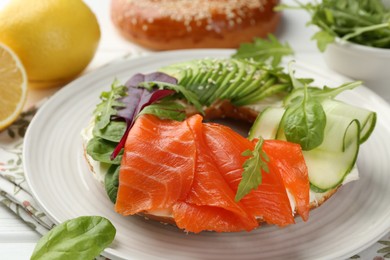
<point>13,86</point>
<point>55,39</point>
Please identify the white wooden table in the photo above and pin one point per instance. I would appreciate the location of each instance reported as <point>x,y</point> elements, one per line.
<point>17,240</point>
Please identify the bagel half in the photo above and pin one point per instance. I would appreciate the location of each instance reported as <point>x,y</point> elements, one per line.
<point>184,24</point>
<point>217,110</point>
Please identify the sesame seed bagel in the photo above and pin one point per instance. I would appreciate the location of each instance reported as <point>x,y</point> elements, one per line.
<point>184,24</point>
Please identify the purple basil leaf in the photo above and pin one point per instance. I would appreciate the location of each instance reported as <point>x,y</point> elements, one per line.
<point>138,98</point>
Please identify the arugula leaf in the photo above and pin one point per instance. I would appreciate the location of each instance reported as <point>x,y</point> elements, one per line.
<point>109,104</point>
<point>80,238</point>
<point>253,168</point>
<point>318,93</point>
<point>263,50</point>
<point>365,22</point>
<point>323,38</point>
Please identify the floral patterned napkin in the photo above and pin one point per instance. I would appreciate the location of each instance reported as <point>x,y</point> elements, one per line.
<point>14,191</point>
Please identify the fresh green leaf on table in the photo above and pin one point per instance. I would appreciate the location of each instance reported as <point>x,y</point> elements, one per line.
<point>80,238</point>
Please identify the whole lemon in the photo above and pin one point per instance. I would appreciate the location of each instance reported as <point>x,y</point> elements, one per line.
<point>55,39</point>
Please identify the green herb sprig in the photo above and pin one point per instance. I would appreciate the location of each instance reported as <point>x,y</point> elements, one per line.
<point>365,22</point>
<point>253,168</point>
<point>264,51</point>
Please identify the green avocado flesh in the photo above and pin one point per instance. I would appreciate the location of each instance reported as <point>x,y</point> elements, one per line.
<point>241,82</point>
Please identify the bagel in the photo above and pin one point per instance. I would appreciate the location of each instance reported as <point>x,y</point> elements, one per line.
<point>184,24</point>
<point>236,82</point>
<point>218,110</point>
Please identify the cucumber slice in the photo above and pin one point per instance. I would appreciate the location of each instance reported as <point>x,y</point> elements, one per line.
<point>267,123</point>
<point>329,163</point>
<point>366,118</point>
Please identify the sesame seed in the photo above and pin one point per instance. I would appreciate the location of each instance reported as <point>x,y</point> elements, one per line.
<point>210,80</point>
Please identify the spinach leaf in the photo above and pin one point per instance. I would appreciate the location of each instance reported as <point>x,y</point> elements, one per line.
<point>112,132</point>
<point>80,238</point>
<point>101,150</point>
<point>111,182</point>
<point>304,124</point>
<point>304,120</point>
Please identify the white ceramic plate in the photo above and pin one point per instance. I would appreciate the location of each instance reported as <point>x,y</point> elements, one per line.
<point>353,219</point>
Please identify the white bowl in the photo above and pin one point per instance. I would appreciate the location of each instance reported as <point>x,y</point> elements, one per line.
<point>358,61</point>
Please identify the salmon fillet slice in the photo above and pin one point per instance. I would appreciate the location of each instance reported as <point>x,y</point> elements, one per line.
<point>157,167</point>
<point>290,163</point>
<point>270,201</point>
<point>210,194</point>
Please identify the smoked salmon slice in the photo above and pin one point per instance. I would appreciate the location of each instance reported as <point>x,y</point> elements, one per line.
<point>157,167</point>
<point>195,219</point>
<point>270,201</point>
<point>289,162</point>
<point>210,190</point>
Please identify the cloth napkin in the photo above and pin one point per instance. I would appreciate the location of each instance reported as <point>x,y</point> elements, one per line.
<point>14,191</point>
